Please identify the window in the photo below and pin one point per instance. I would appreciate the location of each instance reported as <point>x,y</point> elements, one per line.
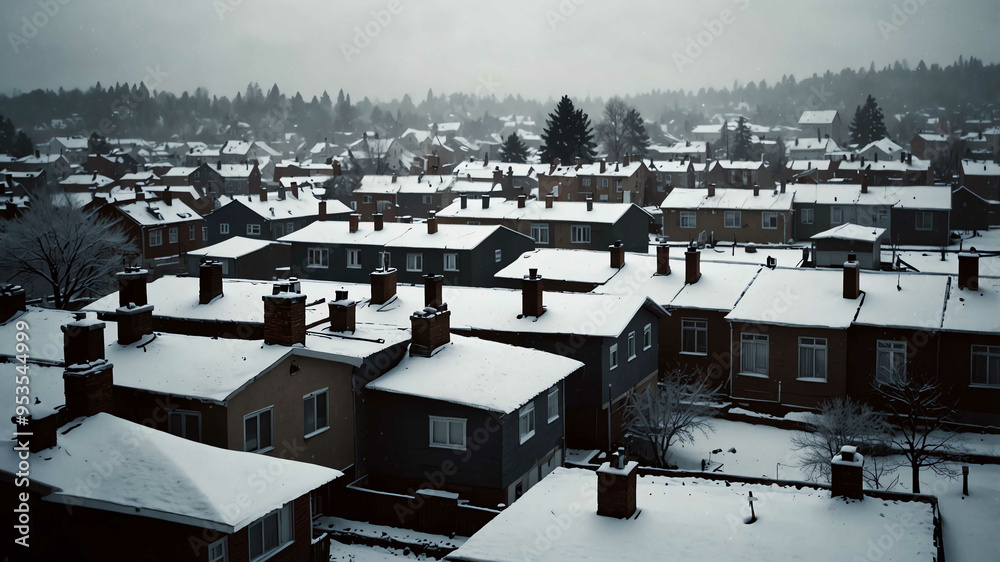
<point>271,532</point>
<point>381,206</point>
<point>204,233</point>
<point>414,262</point>
<point>613,356</point>
<point>253,230</point>
<point>807,216</point>
<point>746,177</point>
<point>156,237</point>
<point>812,358</point>
<point>385,259</point>
<point>366,199</point>
<point>836,215</point>
<point>586,182</point>
<point>353,258</point>
<point>604,182</point>
<point>451,262</point>
<point>427,199</point>
<point>647,337</point>
<point>172,235</point>
<point>218,551</point>
<point>579,234</point>
<point>540,233</point>
<point>290,228</point>
<point>890,361</point>
<point>631,346</point>
<point>191,232</point>
<point>602,197</point>
<point>668,180</point>
<point>224,228</point>
<point>318,257</point>
<point>618,185</point>
<point>733,219</point>
<point>526,421</point>
<point>257,431</point>
<point>447,433</point>
<point>497,255</point>
<point>354,205</point>
<point>694,336</point>
<point>279,230</point>
<point>769,221</point>
<point>186,424</point>
<point>882,217</point>
<point>925,220</point>
<point>314,408</point>
<point>753,354</point>
<point>986,365</point>
<point>688,219</point>
<point>473,223</point>
<point>553,405</point>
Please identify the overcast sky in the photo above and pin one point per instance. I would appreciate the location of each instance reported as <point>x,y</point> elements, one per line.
<point>536,48</point>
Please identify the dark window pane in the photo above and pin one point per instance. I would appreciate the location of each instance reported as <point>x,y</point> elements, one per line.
<point>265,429</point>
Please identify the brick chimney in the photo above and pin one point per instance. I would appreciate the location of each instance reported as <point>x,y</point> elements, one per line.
<point>604,166</point>
<point>342,313</point>
<point>263,194</point>
<point>968,271</point>
<point>295,190</point>
<point>383,285</point>
<point>617,254</point>
<point>134,321</point>
<point>531,294</point>
<point>209,281</point>
<point>522,200</point>
<point>784,183</point>
<point>430,330</point>
<point>756,190</point>
<point>463,201</point>
<point>590,203</point>
<point>616,482</point>
<point>132,286</point>
<point>321,215</point>
<point>864,183</point>
<point>548,200</point>
<point>486,158</point>
<point>379,220</point>
<point>336,168</point>
<point>281,192</point>
<point>140,195</point>
<point>432,225</point>
<point>88,379</point>
<point>497,175</point>
<point>711,190</point>
<point>354,221</point>
<point>662,259</point>
<point>486,201</point>
<point>168,197</point>
<point>285,314</point>
<point>846,474</point>
<point>12,301</point>
<point>692,264</point>
<point>852,279</point>
<point>433,286</point>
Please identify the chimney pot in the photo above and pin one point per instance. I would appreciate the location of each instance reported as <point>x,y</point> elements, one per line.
<point>209,281</point>
<point>486,201</point>
<point>864,183</point>
<point>263,195</point>
<point>432,225</point>
<point>322,211</point>
<point>379,220</point>
<point>846,474</point>
<point>852,279</point>
<point>433,287</point>
<point>430,329</point>
<point>617,254</point>
<point>692,265</point>
<point>531,294</point>
<point>342,313</point>
<point>285,315</point>
<point>132,286</point>
<point>711,190</point>
<point>548,200</point>
<point>968,271</point>
<point>662,259</point>
<point>353,222</point>
<point>521,201</point>
<point>464,200</point>
<point>756,190</point>
<point>590,203</point>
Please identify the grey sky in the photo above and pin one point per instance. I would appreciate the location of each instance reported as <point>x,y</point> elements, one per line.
<point>536,48</point>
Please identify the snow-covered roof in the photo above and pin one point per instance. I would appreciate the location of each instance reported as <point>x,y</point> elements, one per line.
<point>478,169</point>
<point>305,205</point>
<point>908,300</point>
<point>698,520</point>
<point>805,165</point>
<point>233,248</point>
<point>903,196</point>
<point>976,168</point>
<point>138,176</point>
<point>478,373</point>
<point>387,184</point>
<point>720,286</point>
<point>885,145</point>
<point>725,198</point>
<point>166,477</point>
<point>933,138</point>
<point>87,179</point>
<point>232,170</point>
<point>153,213</point>
<point>849,231</point>
<point>611,169</point>
<point>797,297</point>
<point>46,336</point>
<point>236,148</point>
<point>448,236</point>
<point>563,211</point>
<point>974,311</point>
<point>179,172</point>
<point>681,148</point>
<point>737,164</point>
<point>806,143</point>
<point>893,165</point>
<point>584,266</point>
<point>339,232</point>
<point>810,117</point>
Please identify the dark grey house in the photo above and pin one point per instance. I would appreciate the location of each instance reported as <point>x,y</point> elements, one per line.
<point>242,258</point>
<point>269,216</point>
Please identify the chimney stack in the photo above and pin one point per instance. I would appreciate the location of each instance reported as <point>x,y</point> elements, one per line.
<point>852,279</point>
<point>968,271</point>
<point>209,281</point>
<point>322,211</point>
<point>168,197</point>
<point>662,259</point>
<point>133,322</point>
<point>463,201</point>
<point>497,175</point>
<point>486,201</point>
<point>486,158</point>
<point>12,301</point>
<point>433,287</point>
<point>711,190</point>
<point>616,486</point>
<point>383,285</point>
<point>88,379</point>
<point>864,183</point>
<point>604,166</point>
<point>784,183</point>
<point>394,178</point>
<point>617,254</point>
<point>432,225</point>
<point>285,315</point>
<point>548,200</point>
<point>756,190</point>
<point>531,294</point>
<point>379,220</point>
<point>354,221</point>
<point>342,313</point>
<point>295,189</point>
<point>336,168</point>
<point>692,264</point>
<point>522,200</point>
<point>430,330</point>
<point>132,286</point>
<point>846,474</point>
<point>590,203</point>
<point>263,194</point>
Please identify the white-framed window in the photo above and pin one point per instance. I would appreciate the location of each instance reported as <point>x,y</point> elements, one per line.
<point>382,205</point>
<point>733,219</point>
<point>602,197</point>
<point>540,232</point>
<point>688,219</point>
<point>526,421</point>
<point>385,259</point>
<point>191,232</point>
<point>290,228</point>
<point>812,358</point>
<point>613,357</point>
<point>318,257</point>
<point>218,551</point>
<point>882,217</point>
<point>354,205</point>
<point>224,228</point>
<point>253,229</point>
<point>172,235</point>
<point>890,361</point>
<point>604,182</point>
<point>279,230</point>
<point>451,262</point>
<point>257,434</point>
<point>586,182</point>
<point>631,345</point>
<point>271,532</point>
<point>647,337</point>
<point>204,233</point>
<point>353,258</point>
<point>753,354</point>
<point>184,423</point>
<point>769,220</point>
<point>986,365</point>
<point>746,177</point>
<point>497,255</point>
<point>366,199</point>
<point>553,404</point>
<point>579,234</point>
<point>925,220</point>
<point>668,180</point>
<point>836,215</point>
<point>315,406</point>
<point>156,237</point>
<point>807,216</point>
<point>427,199</point>
<point>618,185</point>
<point>447,433</point>
<point>694,336</point>
<point>414,262</point>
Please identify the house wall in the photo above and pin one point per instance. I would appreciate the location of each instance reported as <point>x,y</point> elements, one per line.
<point>977,404</point>
<point>987,187</point>
<point>904,228</point>
<point>862,341</point>
<point>969,211</point>
<point>301,547</point>
<point>151,409</point>
<point>714,363</point>
<point>713,221</point>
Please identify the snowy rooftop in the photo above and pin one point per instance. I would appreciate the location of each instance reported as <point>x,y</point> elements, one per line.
<point>179,172</point>
<point>807,143</point>
<point>232,170</point>
<point>481,170</point>
<point>933,138</point>
<point>46,336</point>
<point>737,164</point>
<point>569,211</point>
<point>848,231</point>
<point>974,311</point>
<point>743,199</point>
<point>611,169</point>
<point>693,519</point>
<point>233,248</point>
<point>275,208</point>
<point>162,476</point>
<point>448,236</point>
<point>885,145</point>
<point>584,266</point>
<point>86,179</point>
<point>797,297</point>
<point>908,196</point>
<point>893,165</point>
<point>47,389</point>
<point>917,303</point>
<point>804,165</point>
<point>478,373</point>
<point>152,213</point>
<point>824,117</point>
<point>974,168</point>
<point>339,232</point>
<point>394,184</point>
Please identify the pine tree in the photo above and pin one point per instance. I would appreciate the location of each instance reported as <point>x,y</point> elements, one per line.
<point>22,146</point>
<point>742,141</point>
<point>568,134</point>
<point>635,133</point>
<point>97,144</point>
<point>869,124</point>
<point>513,150</point>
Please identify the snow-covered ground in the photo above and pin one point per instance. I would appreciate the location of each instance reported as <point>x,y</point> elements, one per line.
<point>340,552</point>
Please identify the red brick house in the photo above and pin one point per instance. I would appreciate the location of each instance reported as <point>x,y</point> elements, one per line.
<point>161,229</point>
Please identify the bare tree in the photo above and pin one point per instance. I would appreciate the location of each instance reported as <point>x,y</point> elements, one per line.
<point>919,412</point>
<point>672,412</point>
<point>64,248</point>
<point>612,132</point>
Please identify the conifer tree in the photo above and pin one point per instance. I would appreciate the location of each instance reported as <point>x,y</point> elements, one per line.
<point>742,141</point>
<point>513,150</point>
<point>568,134</point>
